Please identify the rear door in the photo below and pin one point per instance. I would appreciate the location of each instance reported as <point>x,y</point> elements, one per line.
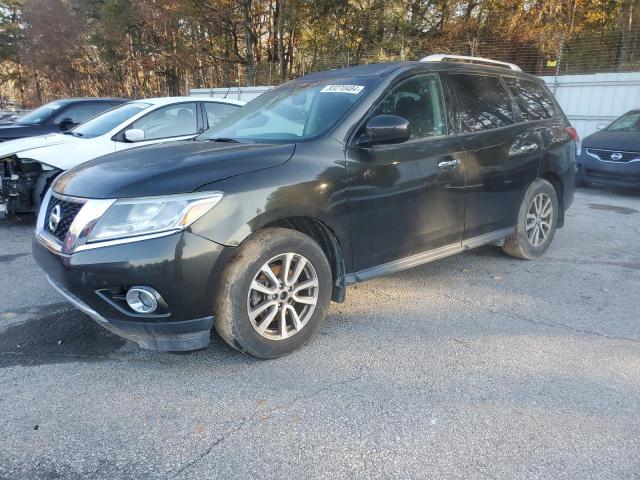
<point>502,153</point>
<point>407,198</point>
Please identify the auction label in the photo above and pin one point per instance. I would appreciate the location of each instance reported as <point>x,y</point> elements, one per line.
<point>353,89</point>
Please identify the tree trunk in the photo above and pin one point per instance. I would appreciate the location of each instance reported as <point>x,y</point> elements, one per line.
<point>280,41</point>
<point>249,42</point>
<point>626,20</point>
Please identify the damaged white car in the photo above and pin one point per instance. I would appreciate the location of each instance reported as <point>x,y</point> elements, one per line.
<point>28,166</point>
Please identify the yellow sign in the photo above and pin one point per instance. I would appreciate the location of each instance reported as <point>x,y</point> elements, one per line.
<point>552,63</point>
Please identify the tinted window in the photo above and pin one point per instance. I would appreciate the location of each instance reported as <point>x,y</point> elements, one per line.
<point>109,120</point>
<point>419,100</point>
<point>216,112</point>
<point>483,103</point>
<point>81,113</point>
<point>171,121</point>
<point>629,122</point>
<point>532,99</point>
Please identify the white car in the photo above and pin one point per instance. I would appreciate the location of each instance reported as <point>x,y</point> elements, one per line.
<point>29,165</point>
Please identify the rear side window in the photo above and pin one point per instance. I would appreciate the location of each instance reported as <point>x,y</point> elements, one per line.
<point>217,112</point>
<point>483,103</point>
<point>534,102</point>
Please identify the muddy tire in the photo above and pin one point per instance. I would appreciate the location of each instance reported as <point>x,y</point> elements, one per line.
<point>536,224</point>
<point>274,293</point>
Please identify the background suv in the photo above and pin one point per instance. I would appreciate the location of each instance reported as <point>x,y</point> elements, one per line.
<point>325,181</point>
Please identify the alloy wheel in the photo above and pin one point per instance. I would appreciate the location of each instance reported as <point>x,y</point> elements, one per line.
<point>539,219</point>
<point>282,296</point>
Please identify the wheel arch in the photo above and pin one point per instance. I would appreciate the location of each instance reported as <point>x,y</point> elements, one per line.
<point>328,241</point>
<point>556,181</point>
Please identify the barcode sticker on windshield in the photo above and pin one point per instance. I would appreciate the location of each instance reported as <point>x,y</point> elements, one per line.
<point>353,89</point>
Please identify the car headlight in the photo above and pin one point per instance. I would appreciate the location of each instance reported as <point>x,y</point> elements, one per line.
<point>131,217</point>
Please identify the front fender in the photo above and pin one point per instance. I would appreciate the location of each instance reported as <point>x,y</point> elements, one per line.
<point>305,186</point>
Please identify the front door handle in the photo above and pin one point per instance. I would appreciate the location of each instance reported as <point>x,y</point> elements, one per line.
<point>449,164</point>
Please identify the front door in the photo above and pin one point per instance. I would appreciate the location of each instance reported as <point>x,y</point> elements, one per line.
<point>407,198</point>
<point>178,121</point>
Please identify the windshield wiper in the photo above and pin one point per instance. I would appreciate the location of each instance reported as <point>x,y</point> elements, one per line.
<point>75,134</point>
<point>223,139</point>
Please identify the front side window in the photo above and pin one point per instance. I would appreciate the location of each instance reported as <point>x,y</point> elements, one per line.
<point>533,101</point>
<point>294,111</point>
<point>171,121</point>
<point>80,113</point>
<point>419,100</point>
<point>483,103</point>
<point>216,112</point>
<point>629,122</point>
<point>109,120</point>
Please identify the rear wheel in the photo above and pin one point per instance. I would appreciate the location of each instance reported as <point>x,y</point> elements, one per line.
<point>537,222</point>
<point>274,293</point>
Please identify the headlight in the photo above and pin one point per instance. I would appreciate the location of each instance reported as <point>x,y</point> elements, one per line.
<point>149,215</point>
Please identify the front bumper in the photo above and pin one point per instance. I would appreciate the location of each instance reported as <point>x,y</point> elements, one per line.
<point>183,268</point>
<point>616,174</point>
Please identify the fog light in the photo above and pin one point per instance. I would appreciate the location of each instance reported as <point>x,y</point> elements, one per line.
<point>142,299</point>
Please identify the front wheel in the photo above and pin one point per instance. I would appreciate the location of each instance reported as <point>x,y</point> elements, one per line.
<point>536,224</point>
<point>273,294</point>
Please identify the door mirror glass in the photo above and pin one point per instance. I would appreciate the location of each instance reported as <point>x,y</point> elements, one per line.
<point>134,135</point>
<point>383,129</point>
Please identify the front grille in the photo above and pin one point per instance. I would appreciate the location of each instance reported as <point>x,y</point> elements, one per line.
<point>68,212</point>
<point>618,156</point>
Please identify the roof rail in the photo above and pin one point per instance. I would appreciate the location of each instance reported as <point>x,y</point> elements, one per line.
<point>443,57</point>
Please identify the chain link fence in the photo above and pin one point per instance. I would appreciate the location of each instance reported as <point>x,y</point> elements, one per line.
<point>606,51</point>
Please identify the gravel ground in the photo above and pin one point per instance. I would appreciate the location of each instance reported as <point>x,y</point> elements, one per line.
<point>475,366</point>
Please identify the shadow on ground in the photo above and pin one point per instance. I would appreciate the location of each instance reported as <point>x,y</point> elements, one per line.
<point>58,338</point>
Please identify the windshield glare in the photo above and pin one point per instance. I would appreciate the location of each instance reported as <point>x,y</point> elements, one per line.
<point>40,115</point>
<point>292,112</point>
<point>629,122</point>
<point>107,121</point>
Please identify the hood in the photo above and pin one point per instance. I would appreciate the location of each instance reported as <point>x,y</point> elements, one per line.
<point>169,168</point>
<point>11,130</point>
<point>34,147</point>
<point>606,140</point>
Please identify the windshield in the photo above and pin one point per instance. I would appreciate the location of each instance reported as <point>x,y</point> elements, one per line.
<point>107,121</point>
<point>295,111</point>
<point>629,122</point>
<point>40,115</point>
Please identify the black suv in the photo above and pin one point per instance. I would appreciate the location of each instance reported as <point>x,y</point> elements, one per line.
<point>60,115</point>
<point>325,181</point>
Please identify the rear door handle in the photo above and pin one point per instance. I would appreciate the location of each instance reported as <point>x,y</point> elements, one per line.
<point>449,164</point>
<point>529,146</point>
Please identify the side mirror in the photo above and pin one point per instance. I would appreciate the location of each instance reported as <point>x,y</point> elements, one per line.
<point>134,135</point>
<point>385,129</point>
<point>66,123</point>
<point>601,126</point>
